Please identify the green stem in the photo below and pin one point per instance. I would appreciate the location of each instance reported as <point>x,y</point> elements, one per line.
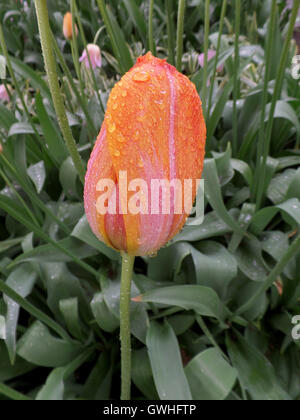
<point>261,137</point>
<point>170,29</point>
<point>223,13</point>
<point>290,253</point>
<point>150,25</point>
<point>236,74</point>
<point>111,34</point>
<point>206,45</point>
<point>74,49</point>
<point>81,100</point>
<point>50,65</point>
<point>275,97</point>
<point>81,31</point>
<point>180,28</point>
<point>12,394</point>
<point>127,270</point>
<point>209,335</point>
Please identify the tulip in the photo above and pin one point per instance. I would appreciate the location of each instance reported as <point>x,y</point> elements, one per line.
<point>153,129</point>
<point>3,94</point>
<point>210,55</point>
<point>67,26</point>
<point>95,56</point>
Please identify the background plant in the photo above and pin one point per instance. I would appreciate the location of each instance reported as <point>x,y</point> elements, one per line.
<point>220,296</point>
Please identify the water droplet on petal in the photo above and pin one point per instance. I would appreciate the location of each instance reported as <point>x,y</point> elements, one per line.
<point>112,128</point>
<point>142,76</point>
<point>117,153</point>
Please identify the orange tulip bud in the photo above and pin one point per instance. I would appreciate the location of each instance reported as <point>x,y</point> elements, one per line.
<point>153,135</point>
<point>67,26</point>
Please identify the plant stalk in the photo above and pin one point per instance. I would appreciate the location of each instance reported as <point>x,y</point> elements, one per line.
<point>50,65</point>
<point>127,270</point>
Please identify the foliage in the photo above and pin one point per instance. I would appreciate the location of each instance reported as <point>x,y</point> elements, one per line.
<point>214,318</point>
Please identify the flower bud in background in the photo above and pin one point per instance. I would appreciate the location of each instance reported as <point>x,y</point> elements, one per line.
<point>210,55</point>
<point>153,130</point>
<point>95,56</point>
<point>67,26</point>
<point>3,94</point>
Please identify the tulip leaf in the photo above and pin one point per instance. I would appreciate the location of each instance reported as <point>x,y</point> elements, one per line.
<point>40,348</point>
<point>106,320</point>
<point>142,374</point>
<point>255,372</point>
<point>202,300</point>
<point>83,232</point>
<point>214,195</point>
<point>210,377</point>
<point>21,280</point>
<point>165,359</point>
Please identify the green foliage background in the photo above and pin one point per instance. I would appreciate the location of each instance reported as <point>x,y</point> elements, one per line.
<point>215,319</point>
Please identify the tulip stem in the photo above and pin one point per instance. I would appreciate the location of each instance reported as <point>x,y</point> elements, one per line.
<point>127,270</point>
<point>180,30</point>
<point>50,65</point>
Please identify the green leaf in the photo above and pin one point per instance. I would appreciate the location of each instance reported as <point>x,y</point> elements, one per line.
<point>137,18</point>
<point>255,372</point>
<point>9,371</point>
<point>106,320</point>
<point>9,243</point>
<point>37,173</point>
<point>250,260</point>
<point>39,347</point>
<point>214,195</point>
<point>22,281</point>
<point>70,311</point>
<point>290,210</point>
<point>142,375</point>
<point>215,267</point>
<point>68,178</point>
<point>83,232</point>
<point>202,300</point>
<point>49,253</point>
<point>29,74</point>
<point>98,384</point>
<point>54,387</point>
<point>54,141</point>
<point>22,128</point>
<point>212,227</point>
<point>210,377</point>
<point>111,291</point>
<point>168,373</point>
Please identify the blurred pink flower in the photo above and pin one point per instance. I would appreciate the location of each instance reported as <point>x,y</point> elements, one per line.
<point>3,94</point>
<point>210,55</point>
<point>95,56</point>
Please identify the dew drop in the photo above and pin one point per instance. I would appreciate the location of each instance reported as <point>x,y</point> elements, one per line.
<point>112,128</point>
<point>142,76</point>
<point>117,153</point>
